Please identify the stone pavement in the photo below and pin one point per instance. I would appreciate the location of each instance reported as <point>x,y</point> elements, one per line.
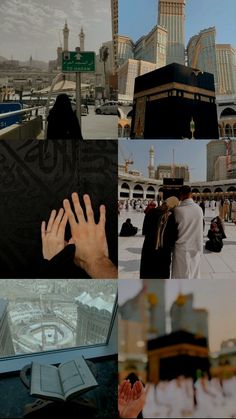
<point>213,265</point>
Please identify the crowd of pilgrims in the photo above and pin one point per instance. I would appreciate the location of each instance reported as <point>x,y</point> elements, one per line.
<point>181,398</point>
<point>225,208</point>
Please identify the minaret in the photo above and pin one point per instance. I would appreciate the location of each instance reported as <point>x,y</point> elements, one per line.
<point>66,37</point>
<point>81,39</point>
<point>151,167</point>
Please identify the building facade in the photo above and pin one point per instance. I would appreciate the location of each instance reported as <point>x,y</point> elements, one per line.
<point>214,150</point>
<point>152,47</point>
<point>201,52</point>
<point>139,187</point>
<point>171,16</point>
<point>127,74</point>
<point>125,49</point>
<point>226,65</point>
<point>6,344</point>
<point>93,319</point>
<point>172,171</point>
<point>220,168</point>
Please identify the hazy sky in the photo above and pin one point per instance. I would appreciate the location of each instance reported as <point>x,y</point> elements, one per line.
<point>218,296</point>
<point>192,153</point>
<point>137,17</point>
<point>35,26</point>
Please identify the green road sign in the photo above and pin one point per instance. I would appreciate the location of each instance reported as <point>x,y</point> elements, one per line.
<point>74,62</point>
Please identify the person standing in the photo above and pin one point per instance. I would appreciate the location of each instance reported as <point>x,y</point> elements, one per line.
<point>160,231</point>
<point>63,123</point>
<point>189,245</point>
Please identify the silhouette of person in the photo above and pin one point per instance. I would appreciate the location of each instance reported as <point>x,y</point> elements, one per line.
<point>128,229</point>
<point>62,121</point>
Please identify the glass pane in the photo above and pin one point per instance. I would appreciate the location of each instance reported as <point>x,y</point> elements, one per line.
<point>42,315</point>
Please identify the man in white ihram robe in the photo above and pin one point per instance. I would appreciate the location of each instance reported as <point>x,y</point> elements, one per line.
<point>189,245</point>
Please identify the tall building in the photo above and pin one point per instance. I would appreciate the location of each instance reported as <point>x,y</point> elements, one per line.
<point>226,65</point>
<point>127,74</point>
<point>152,47</point>
<point>171,16</point>
<point>172,171</point>
<point>93,319</point>
<point>201,51</point>
<point>151,167</point>
<point>125,49</point>
<point>187,318</point>
<point>6,344</point>
<point>214,150</point>
<point>66,37</point>
<point>114,19</point>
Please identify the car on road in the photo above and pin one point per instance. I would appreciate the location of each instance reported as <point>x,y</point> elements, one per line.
<point>108,108</point>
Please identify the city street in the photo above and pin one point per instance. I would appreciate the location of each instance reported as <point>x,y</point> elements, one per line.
<point>99,127</point>
<point>213,265</point>
<point>95,127</point>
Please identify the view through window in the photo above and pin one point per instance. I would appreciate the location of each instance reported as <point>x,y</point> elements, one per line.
<point>46,314</point>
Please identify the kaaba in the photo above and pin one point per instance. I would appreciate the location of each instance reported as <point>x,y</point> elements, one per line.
<point>178,353</point>
<point>174,102</point>
<point>171,187</point>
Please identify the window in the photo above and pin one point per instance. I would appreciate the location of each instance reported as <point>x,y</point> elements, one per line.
<point>56,320</point>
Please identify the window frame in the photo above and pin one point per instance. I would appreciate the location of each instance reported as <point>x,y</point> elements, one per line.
<point>14,363</point>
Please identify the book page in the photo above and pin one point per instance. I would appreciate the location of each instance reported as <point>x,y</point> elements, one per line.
<point>45,381</point>
<point>76,377</point>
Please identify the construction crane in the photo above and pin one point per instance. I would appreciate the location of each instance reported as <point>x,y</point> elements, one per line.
<point>127,161</point>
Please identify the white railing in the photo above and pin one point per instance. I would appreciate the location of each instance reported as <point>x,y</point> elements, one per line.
<point>20,112</point>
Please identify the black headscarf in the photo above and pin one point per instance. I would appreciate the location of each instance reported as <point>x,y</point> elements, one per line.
<point>62,121</point>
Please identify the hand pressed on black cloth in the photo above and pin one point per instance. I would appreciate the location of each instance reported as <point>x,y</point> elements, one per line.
<point>90,241</point>
<point>90,250</point>
<point>53,234</point>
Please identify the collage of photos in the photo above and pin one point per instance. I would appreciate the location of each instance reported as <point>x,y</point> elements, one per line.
<point>117,209</point>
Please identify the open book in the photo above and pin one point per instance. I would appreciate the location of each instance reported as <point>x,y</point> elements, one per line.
<point>61,383</point>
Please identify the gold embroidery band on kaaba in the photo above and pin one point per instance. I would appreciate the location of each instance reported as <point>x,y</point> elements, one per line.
<point>175,87</point>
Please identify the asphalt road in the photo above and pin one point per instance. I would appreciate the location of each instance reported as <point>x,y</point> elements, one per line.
<point>99,127</point>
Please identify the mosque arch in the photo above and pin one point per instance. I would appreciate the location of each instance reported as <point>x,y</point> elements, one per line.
<point>138,191</point>
<point>228,112</point>
<point>125,186</point>
<point>150,192</point>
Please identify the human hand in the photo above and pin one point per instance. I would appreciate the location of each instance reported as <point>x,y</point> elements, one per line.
<point>91,252</point>
<point>130,400</point>
<point>53,236</point>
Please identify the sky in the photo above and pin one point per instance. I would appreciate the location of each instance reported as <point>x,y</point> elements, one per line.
<point>35,26</point>
<point>200,14</point>
<point>218,296</point>
<point>192,153</point>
